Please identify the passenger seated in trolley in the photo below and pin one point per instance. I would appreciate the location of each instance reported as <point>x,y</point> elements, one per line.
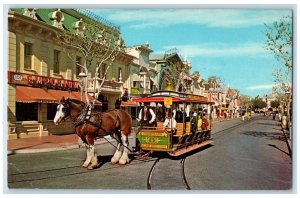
<point>170,121</point>
<point>147,116</point>
<point>199,122</point>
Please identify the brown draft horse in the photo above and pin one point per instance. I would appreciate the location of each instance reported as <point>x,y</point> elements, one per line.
<point>89,125</point>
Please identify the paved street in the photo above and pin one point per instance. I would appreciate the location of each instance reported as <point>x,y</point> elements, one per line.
<point>249,155</point>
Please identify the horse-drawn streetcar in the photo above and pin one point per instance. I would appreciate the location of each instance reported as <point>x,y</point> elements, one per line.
<point>177,123</point>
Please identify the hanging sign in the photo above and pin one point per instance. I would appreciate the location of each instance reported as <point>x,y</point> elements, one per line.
<point>168,101</point>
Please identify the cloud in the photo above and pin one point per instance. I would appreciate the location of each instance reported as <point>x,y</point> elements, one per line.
<point>218,49</point>
<point>222,18</point>
<point>260,87</point>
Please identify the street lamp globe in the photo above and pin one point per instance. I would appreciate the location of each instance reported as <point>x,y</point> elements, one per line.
<point>82,75</point>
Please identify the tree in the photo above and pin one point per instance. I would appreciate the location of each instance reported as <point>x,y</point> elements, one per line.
<point>258,103</point>
<point>279,42</point>
<point>177,74</point>
<point>245,101</point>
<point>275,104</point>
<point>98,44</point>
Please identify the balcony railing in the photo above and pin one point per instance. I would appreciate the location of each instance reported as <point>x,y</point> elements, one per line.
<point>108,85</point>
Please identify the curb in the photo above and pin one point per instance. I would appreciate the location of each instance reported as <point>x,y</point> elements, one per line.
<point>60,148</point>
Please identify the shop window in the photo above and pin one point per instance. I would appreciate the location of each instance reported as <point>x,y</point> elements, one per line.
<point>56,61</point>
<point>28,56</point>
<point>26,111</point>
<point>51,111</point>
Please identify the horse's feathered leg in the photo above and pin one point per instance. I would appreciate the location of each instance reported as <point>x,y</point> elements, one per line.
<point>89,154</point>
<point>124,159</point>
<point>117,155</point>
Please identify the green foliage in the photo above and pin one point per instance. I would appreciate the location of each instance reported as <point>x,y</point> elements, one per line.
<point>258,103</point>
<point>245,101</point>
<point>279,41</point>
<point>275,103</point>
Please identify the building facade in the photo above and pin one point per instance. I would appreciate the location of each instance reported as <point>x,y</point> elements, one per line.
<point>40,71</point>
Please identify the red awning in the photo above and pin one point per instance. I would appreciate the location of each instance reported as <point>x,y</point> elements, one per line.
<point>91,98</point>
<point>30,95</point>
<point>129,104</point>
<point>58,94</point>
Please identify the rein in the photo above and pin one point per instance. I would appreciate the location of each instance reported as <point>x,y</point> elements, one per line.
<point>84,118</point>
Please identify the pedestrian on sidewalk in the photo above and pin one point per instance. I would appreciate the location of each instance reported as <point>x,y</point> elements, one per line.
<point>243,115</point>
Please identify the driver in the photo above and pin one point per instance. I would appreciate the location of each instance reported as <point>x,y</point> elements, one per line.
<point>147,116</point>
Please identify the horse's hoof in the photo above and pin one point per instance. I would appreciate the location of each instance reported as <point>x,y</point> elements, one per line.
<point>123,162</point>
<point>85,165</point>
<point>90,167</point>
<point>114,161</point>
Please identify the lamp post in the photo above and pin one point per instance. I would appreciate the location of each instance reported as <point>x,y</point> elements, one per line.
<point>81,77</point>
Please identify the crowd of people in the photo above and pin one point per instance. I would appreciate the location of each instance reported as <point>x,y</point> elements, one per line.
<point>171,116</point>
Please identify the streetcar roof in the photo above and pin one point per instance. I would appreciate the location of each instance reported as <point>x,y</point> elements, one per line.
<point>179,97</point>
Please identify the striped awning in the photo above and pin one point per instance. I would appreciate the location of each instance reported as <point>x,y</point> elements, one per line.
<point>31,94</point>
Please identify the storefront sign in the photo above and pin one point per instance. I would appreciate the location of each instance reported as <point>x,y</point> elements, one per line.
<point>41,81</point>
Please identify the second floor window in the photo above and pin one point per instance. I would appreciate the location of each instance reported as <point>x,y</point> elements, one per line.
<point>119,74</point>
<point>78,68</point>
<point>56,62</point>
<point>28,56</point>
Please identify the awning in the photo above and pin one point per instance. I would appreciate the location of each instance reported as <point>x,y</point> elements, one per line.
<point>58,94</point>
<point>30,95</point>
<point>129,104</point>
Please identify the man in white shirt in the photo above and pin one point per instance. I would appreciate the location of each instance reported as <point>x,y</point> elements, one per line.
<point>147,116</point>
<point>170,122</point>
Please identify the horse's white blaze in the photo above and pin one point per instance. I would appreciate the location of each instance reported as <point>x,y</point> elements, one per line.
<point>90,152</point>
<point>124,159</point>
<point>59,114</point>
<point>117,155</point>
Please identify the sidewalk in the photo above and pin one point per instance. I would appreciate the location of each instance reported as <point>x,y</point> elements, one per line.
<point>45,144</point>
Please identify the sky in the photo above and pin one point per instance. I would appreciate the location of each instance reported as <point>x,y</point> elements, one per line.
<point>227,43</point>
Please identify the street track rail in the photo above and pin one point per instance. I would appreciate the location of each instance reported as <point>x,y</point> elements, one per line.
<point>244,123</point>
<point>76,170</point>
<point>48,173</point>
<point>149,178</point>
<point>182,162</point>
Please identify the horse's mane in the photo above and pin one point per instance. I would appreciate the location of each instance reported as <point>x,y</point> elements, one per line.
<point>77,102</point>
